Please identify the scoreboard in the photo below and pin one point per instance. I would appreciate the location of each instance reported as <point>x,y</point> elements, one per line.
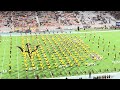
<point>117,23</point>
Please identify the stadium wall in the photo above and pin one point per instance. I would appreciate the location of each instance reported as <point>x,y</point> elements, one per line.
<point>51,28</point>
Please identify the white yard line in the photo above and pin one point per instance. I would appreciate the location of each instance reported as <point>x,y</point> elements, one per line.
<point>17,59</point>
<point>3,60</point>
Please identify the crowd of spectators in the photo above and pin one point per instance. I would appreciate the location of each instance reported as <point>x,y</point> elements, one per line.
<point>24,20</point>
<point>47,18</point>
<point>56,18</point>
<point>5,19</point>
<point>115,14</point>
<point>64,18</point>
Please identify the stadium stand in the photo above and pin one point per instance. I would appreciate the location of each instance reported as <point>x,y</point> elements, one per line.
<point>24,20</point>
<point>42,20</point>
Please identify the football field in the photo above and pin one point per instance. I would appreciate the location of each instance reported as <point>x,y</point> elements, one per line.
<point>59,54</point>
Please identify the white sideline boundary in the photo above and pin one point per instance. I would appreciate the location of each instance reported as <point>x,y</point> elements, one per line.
<point>99,31</point>
<point>17,59</point>
<point>114,75</point>
<point>3,61</point>
<point>28,34</point>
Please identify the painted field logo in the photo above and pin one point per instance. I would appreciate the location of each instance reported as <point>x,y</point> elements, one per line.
<point>115,62</point>
<point>29,51</point>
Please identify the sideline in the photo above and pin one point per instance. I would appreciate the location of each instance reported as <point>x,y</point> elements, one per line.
<point>114,75</point>
<point>65,32</point>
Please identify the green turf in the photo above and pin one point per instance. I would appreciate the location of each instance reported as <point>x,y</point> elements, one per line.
<point>67,47</point>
